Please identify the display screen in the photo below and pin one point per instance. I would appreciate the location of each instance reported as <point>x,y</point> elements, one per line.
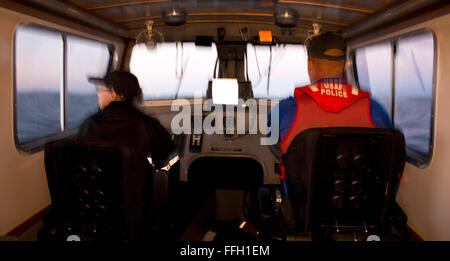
<point>225,91</point>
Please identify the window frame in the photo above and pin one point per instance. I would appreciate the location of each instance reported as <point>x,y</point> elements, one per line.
<point>37,145</point>
<point>393,41</point>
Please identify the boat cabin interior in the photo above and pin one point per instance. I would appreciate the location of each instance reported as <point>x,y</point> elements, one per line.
<point>213,74</point>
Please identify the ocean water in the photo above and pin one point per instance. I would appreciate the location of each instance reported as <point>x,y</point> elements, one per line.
<point>413,118</point>
<point>80,107</point>
<point>38,116</point>
<point>38,113</point>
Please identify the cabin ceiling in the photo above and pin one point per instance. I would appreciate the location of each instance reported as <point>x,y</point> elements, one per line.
<point>336,14</point>
<point>331,15</point>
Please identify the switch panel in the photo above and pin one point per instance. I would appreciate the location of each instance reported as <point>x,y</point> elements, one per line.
<point>195,144</point>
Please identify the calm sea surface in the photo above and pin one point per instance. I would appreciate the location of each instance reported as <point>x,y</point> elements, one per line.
<point>38,113</point>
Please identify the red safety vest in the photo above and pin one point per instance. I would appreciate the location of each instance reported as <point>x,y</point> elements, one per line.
<point>328,105</point>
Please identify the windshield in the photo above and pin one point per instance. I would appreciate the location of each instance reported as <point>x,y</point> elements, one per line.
<point>179,70</point>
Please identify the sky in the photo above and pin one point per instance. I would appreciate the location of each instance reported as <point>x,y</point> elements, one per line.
<point>39,60</point>
<point>288,69</point>
<point>159,70</point>
<point>164,70</point>
<point>414,64</point>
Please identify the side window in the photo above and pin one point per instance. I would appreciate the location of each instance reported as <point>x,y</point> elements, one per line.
<point>39,71</point>
<point>276,71</point>
<point>411,107</point>
<point>52,94</point>
<point>374,64</point>
<point>173,70</point>
<point>414,74</point>
<point>84,58</point>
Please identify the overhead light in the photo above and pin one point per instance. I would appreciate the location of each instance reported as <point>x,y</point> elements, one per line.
<point>174,16</point>
<point>286,17</point>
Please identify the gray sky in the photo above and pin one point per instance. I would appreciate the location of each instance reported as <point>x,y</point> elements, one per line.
<point>39,66</point>
<point>39,55</point>
<point>414,64</point>
<point>159,72</point>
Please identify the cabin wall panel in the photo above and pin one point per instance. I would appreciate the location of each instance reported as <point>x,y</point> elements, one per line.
<point>424,193</point>
<point>23,182</point>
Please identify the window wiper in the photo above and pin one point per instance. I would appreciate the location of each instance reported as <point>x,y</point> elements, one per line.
<point>183,67</point>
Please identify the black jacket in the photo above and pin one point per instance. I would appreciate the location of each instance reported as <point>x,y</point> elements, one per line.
<point>121,123</point>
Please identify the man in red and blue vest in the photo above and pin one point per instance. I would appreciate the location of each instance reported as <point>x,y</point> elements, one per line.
<point>329,101</point>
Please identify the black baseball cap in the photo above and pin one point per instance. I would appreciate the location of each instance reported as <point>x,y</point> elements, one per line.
<point>318,46</point>
<point>122,82</point>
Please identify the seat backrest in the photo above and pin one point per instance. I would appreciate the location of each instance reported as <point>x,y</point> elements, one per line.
<point>98,191</point>
<point>344,178</point>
